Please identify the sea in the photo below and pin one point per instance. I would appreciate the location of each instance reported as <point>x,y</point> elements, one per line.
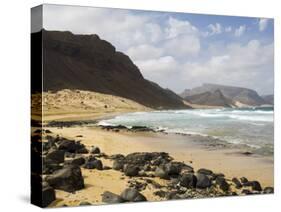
<point>249,128</point>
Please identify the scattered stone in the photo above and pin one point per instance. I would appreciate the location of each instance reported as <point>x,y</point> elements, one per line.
<point>246,192</point>
<point>48,131</point>
<point>57,156</point>
<point>188,180</point>
<point>84,203</point>
<point>132,195</point>
<point>203,181</point>
<point>93,164</point>
<point>223,185</point>
<point>205,171</point>
<point>256,186</point>
<point>243,180</point>
<point>160,193</point>
<point>268,190</point>
<point>131,170</point>
<point>237,183</point>
<point>109,197</point>
<point>118,165</point>
<point>67,179</point>
<point>160,172</point>
<point>95,150</point>
<point>76,161</point>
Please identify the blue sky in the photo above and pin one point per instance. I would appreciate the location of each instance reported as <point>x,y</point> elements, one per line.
<point>180,50</point>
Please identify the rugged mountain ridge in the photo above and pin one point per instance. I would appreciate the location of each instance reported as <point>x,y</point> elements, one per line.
<point>269,99</point>
<point>237,95</point>
<point>215,98</point>
<point>87,62</point>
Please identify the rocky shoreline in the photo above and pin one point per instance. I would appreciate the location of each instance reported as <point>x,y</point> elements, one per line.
<point>64,159</point>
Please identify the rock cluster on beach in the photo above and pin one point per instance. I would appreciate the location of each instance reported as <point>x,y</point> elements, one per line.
<point>65,159</point>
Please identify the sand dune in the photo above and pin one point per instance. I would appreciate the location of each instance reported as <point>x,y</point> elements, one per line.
<point>76,104</point>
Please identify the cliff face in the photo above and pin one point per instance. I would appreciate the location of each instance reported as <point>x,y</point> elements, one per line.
<point>236,94</point>
<point>86,62</point>
<point>215,98</point>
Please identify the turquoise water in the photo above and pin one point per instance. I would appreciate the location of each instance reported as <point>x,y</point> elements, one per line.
<point>253,127</point>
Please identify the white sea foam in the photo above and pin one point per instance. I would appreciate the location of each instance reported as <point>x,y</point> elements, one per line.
<point>252,127</point>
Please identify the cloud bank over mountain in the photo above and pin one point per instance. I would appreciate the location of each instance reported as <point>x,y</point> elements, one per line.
<point>179,50</point>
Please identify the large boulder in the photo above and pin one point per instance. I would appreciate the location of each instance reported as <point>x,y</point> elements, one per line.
<point>93,164</point>
<point>118,165</point>
<point>237,183</point>
<point>71,146</point>
<point>131,170</point>
<point>76,161</point>
<point>205,171</point>
<point>203,181</point>
<point>161,173</point>
<point>67,179</point>
<point>268,190</point>
<point>132,195</point>
<point>223,185</point>
<point>188,180</point>
<point>109,197</point>
<point>256,186</point>
<point>57,156</point>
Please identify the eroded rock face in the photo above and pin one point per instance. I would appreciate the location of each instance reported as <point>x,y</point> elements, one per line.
<point>67,179</point>
<point>90,63</point>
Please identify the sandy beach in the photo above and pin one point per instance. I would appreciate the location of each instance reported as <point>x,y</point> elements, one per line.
<point>189,149</point>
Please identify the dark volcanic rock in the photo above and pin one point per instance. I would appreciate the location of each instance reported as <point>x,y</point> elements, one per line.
<point>118,165</point>
<point>132,195</point>
<point>243,180</point>
<point>268,190</point>
<point>188,180</point>
<point>223,185</point>
<point>57,156</point>
<point>48,195</point>
<point>109,197</point>
<point>256,186</point>
<point>205,171</point>
<point>203,181</point>
<point>237,183</point>
<point>71,146</point>
<point>95,150</point>
<point>84,203</point>
<point>76,161</point>
<point>161,172</point>
<point>131,170</point>
<point>93,164</point>
<point>67,179</point>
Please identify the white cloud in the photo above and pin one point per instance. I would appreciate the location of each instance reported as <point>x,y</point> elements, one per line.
<point>228,29</point>
<point>144,52</point>
<point>177,27</point>
<point>215,28</point>
<point>263,24</point>
<point>240,65</point>
<point>240,31</point>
